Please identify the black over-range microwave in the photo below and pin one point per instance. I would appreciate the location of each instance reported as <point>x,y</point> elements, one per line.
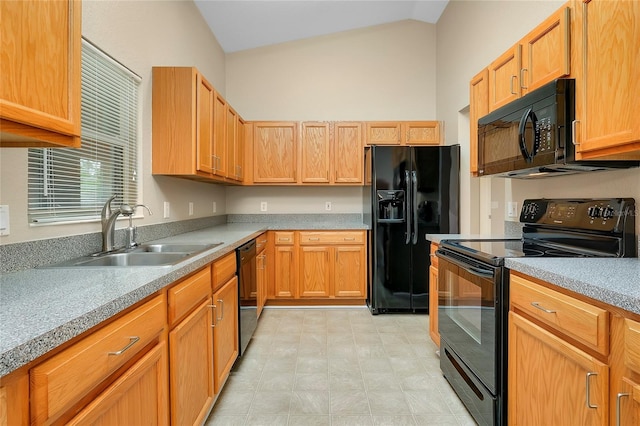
<point>531,136</point>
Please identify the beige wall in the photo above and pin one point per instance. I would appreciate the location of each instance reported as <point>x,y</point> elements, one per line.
<point>381,72</point>
<point>140,34</point>
<point>471,34</point>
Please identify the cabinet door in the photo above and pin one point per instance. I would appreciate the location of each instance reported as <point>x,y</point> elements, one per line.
<point>40,73</point>
<point>349,271</point>
<point>422,133</point>
<point>607,84</point>
<point>14,399</point>
<point>433,305</point>
<point>261,279</point>
<point>478,107</point>
<point>314,268</point>
<point>138,397</point>
<point>625,371</point>
<point>274,152</point>
<point>552,382</point>
<point>504,84</point>
<point>240,149</point>
<point>383,132</point>
<point>204,125</point>
<point>225,331</point>
<point>315,152</point>
<point>285,271</point>
<point>219,135</point>
<point>232,143</point>
<point>191,367</point>
<point>545,52</point>
<point>348,153</point>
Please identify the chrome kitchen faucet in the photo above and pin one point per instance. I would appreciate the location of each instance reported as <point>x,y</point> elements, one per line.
<point>108,219</point>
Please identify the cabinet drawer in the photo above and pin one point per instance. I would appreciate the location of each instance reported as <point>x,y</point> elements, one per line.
<point>333,237</point>
<point>63,380</point>
<point>223,270</point>
<point>261,242</point>
<point>284,238</point>
<point>579,320</point>
<point>187,294</point>
<point>632,345</point>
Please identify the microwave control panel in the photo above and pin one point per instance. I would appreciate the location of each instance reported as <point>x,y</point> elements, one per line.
<point>544,128</point>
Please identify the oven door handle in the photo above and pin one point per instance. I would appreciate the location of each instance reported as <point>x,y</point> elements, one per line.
<point>480,272</point>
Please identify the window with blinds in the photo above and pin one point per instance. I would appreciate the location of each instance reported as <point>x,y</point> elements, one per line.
<point>67,184</point>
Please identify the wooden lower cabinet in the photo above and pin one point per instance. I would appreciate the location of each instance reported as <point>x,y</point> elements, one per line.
<point>551,382</point>
<point>349,272</point>
<point>433,305</point>
<point>261,272</point>
<point>625,372</point>
<point>315,274</point>
<point>138,397</point>
<point>14,399</point>
<point>225,331</point>
<point>191,361</point>
<point>285,265</point>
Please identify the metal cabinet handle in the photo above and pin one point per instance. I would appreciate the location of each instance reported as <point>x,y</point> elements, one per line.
<point>588,390</point>
<point>618,414</point>
<point>511,84</point>
<point>522,78</point>
<point>132,341</point>
<point>573,132</point>
<point>213,307</point>
<point>314,239</point>
<point>284,239</point>
<point>222,309</point>
<point>349,238</point>
<point>537,305</point>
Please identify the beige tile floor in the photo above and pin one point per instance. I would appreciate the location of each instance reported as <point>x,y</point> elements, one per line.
<point>326,366</point>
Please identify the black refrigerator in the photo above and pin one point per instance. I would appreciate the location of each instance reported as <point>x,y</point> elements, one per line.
<point>413,191</point>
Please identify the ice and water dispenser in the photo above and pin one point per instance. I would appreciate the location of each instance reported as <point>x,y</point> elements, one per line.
<point>391,205</point>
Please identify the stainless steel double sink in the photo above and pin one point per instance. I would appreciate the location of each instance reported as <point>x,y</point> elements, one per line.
<point>167,254</point>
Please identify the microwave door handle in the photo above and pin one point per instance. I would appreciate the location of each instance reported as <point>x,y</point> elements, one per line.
<point>414,205</point>
<point>407,209</point>
<point>528,115</point>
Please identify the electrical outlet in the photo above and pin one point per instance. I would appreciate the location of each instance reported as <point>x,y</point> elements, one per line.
<point>263,206</point>
<point>327,206</point>
<point>190,208</point>
<point>512,209</point>
<point>167,210</point>
<point>214,207</point>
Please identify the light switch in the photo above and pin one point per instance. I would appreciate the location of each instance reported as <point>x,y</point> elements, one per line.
<point>4,220</point>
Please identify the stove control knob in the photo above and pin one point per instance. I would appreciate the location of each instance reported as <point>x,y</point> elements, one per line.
<point>607,212</point>
<point>594,212</point>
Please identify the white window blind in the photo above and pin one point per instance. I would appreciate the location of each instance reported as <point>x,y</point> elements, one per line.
<point>67,184</point>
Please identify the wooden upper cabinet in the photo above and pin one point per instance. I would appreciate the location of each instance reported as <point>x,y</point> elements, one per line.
<point>40,73</point>
<point>383,132</point>
<point>422,133</point>
<point>315,152</point>
<point>348,153</point>
<point>182,122</point>
<point>274,152</point>
<point>219,135</point>
<point>232,143</point>
<point>504,72</point>
<point>204,125</point>
<point>546,51</point>
<point>606,64</point>
<point>241,144</point>
<point>478,107</point>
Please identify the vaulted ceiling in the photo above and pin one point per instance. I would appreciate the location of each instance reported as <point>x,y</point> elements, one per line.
<point>246,24</point>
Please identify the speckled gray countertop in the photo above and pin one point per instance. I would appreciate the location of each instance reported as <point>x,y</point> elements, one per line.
<point>436,238</point>
<point>42,308</point>
<point>612,281</point>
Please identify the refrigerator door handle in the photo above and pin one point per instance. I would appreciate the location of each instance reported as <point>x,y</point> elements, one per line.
<point>407,209</point>
<point>414,205</point>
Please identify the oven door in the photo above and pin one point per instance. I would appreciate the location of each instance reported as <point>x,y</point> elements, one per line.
<point>469,320</point>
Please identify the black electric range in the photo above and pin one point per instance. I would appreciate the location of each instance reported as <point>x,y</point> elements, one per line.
<point>474,284</point>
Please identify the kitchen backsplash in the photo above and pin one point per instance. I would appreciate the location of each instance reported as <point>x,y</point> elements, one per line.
<point>31,254</point>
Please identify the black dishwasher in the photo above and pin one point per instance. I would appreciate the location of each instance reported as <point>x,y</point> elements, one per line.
<point>247,296</point>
